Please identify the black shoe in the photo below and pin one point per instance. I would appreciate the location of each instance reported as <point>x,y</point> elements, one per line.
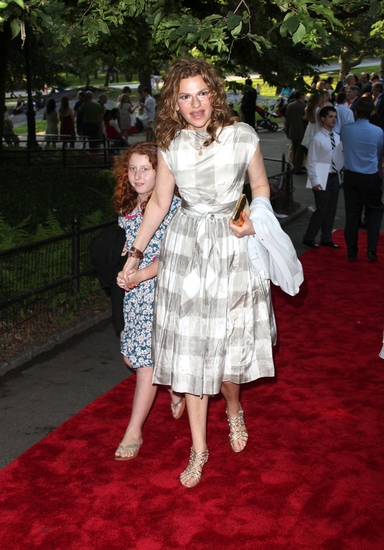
<point>352,258</point>
<point>331,244</point>
<point>371,256</point>
<point>311,244</point>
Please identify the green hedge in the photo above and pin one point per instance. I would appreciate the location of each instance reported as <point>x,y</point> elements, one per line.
<point>34,192</point>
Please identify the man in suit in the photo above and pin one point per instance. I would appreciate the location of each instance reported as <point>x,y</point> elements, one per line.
<point>353,94</point>
<point>248,103</point>
<point>367,88</point>
<point>295,129</point>
<point>344,114</point>
<point>326,192</point>
<point>377,94</point>
<point>363,145</point>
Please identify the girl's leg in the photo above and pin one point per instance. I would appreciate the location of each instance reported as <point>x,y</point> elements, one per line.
<point>145,393</point>
<point>238,432</point>
<point>197,413</point>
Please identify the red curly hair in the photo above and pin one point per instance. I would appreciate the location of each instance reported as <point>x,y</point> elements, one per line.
<point>125,198</point>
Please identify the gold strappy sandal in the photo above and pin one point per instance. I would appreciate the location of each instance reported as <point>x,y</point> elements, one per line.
<point>196,460</point>
<point>235,433</point>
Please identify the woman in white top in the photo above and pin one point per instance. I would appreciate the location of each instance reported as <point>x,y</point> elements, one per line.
<point>125,108</point>
<point>315,103</point>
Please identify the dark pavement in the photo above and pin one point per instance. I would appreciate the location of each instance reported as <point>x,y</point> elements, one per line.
<point>39,395</point>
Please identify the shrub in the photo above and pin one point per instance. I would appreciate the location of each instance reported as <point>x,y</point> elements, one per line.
<point>32,192</point>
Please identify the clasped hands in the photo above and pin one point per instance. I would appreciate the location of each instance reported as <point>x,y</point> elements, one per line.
<point>125,278</point>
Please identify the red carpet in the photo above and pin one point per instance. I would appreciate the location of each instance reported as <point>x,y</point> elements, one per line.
<point>312,476</point>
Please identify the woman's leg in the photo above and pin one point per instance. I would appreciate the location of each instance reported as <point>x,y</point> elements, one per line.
<point>145,393</point>
<point>238,431</point>
<point>197,413</point>
<point>177,403</point>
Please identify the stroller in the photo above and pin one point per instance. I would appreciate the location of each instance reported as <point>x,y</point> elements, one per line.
<point>265,120</point>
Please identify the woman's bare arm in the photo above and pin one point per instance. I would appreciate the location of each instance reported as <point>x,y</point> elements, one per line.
<point>155,211</point>
<point>259,187</point>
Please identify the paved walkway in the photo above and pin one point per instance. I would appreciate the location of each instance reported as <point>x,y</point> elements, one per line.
<point>42,393</point>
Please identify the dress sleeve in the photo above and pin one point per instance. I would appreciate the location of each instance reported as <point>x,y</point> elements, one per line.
<point>167,156</point>
<point>246,142</point>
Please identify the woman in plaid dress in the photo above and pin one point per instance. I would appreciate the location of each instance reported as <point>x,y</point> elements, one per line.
<point>213,321</point>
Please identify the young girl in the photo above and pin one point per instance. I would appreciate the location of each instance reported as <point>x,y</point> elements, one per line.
<point>135,172</point>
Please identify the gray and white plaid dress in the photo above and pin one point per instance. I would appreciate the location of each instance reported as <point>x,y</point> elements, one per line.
<point>213,318</point>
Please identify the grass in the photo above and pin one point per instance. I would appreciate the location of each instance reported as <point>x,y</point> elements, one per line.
<point>40,127</point>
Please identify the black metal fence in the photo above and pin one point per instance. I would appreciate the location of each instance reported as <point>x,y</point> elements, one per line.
<point>46,279</point>
<point>280,177</point>
<point>42,280</point>
<point>92,154</point>
<point>281,183</point>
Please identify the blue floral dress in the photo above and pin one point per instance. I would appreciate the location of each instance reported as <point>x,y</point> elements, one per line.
<point>136,337</point>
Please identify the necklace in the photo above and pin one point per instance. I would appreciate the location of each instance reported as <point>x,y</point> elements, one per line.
<point>198,136</point>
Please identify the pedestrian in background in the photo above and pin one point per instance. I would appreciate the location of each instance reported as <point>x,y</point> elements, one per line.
<point>325,186</point>
<point>363,145</point>
<point>67,123</point>
<point>52,127</point>
<point>248,103</point>
<point>295,128</point>
<point>9,135</point>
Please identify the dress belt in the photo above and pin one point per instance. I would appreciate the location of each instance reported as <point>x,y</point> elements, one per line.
<point>215,211</point>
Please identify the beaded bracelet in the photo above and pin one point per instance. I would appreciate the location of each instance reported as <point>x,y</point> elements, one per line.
<point>135,253</point>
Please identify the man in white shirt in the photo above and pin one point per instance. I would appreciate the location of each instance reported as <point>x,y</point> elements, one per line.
<point>344,113</point>
<point>323,179</point>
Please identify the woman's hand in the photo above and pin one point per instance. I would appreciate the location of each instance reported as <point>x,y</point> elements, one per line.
<point>126,278</point>
<point>245,229</point>
<point>128,282</point>
<point>130,267</point>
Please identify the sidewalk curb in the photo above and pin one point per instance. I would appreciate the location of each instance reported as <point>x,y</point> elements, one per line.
<point>56,338</point>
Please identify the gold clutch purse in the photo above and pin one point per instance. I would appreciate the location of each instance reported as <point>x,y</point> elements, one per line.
<point>241,206</point>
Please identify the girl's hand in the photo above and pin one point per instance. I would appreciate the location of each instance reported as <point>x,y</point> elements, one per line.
<point>126,284</point>
<point>246,228</point>
<point>131,266</point>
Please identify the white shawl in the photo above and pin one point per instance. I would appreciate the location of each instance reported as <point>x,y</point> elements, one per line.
<point>271,250</point>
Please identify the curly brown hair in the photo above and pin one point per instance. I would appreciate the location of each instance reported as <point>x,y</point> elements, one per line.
<point>125,198</point>
<point>168,120</point>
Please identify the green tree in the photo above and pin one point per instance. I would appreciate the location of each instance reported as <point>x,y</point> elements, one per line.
<point>223,29</point>
<point>357,38</point>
